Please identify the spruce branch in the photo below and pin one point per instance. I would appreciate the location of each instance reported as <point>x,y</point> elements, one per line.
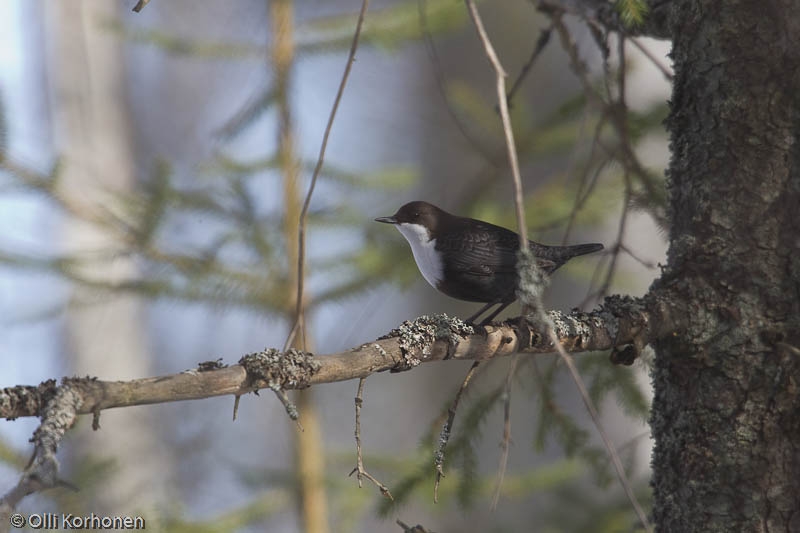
<point>620,322</point>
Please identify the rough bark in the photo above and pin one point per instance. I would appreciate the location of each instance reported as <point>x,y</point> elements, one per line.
<point>726,412</point>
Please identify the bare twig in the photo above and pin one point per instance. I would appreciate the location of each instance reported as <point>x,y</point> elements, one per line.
<point>505,445</point>
<point>301,237</point>
<point>644,262</point>
<point>591,294</point>
<point>584,191</point>
<point>600,36</point>
<point>578,66</point>
<point>622,130</point>
<point>584,195</point>
<point>359,469</point>
<point>291,408</point>
<point>612,452</point>
<point>616,110</point>
<point>441,83</point>
<point>538,309</point>
<point>298,325</point>
<point>507,130</point>
<point>412,529</point>
<point>617,248</point>
<point>653,59</point>
<point>236,401</point>
<point>444,436</point>
<point>616,113</point>
<point>621,74</point>
<point>140,5</point>
<point>541,42</point>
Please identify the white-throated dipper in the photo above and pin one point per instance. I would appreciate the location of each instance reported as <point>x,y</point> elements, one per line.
<point>471,259</point>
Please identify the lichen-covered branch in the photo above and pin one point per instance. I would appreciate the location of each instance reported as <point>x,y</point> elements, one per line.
<point>58,412</point>
<point>622,324</point>
<point>618,324</point>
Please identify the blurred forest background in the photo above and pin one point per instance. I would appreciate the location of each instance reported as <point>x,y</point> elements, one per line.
<point>152,169</point>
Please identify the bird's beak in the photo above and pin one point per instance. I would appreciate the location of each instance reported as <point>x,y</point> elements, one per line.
<point>386,220</point>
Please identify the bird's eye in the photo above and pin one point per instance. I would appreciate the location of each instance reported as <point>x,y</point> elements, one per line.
<point>415,214</point>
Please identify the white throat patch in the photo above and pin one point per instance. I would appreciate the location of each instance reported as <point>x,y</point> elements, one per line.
<point>423,247</point>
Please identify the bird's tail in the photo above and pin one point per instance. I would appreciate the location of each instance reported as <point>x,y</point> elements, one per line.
<point>561,254</point>
<point>580,249</point>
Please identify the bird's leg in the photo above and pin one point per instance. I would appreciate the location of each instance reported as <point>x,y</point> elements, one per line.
<point>482,310</point>
<point>496,312</point>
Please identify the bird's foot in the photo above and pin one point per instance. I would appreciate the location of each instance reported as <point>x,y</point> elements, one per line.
<point>479,328</point>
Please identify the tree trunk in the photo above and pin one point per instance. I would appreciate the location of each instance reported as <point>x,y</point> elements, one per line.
<point>726,412</point>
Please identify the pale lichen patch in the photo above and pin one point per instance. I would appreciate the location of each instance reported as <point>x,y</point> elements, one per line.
<point>418,336</point>
<point>288,370</point>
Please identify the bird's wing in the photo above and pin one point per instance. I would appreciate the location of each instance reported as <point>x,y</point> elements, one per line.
<point>484,253</point>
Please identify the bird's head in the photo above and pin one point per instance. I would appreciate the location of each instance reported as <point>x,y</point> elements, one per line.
<point>416,213</point>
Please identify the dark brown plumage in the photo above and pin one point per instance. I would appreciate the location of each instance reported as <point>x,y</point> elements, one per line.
<point>470,259</point>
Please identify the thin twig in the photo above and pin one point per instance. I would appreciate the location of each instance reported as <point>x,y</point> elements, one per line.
<point>621,124</point>
<point>140,5</point>
<point>541,42</point>
<point>600,36</point>
<point>298,323</point>
<point>503,104</point>
<point>617,248</point>
<point>653,59</point>
<point>444,436</point>
<point>506,444</point>
<point>617,110</point>
<point>573,158</point>
<point>291,408</point>
<point>621,74</point>
<point>591,293</point>
<point>612,452</point>
<point>644,262</point>
<point>359,469</point>
<point>301,237</point>
<point>580,201</point>
<point>578,66</point>
<point>441,83</point>
<point>582,195</point>
<point>411,529</point>
<point>541,315</point>
<point>236,401</point>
